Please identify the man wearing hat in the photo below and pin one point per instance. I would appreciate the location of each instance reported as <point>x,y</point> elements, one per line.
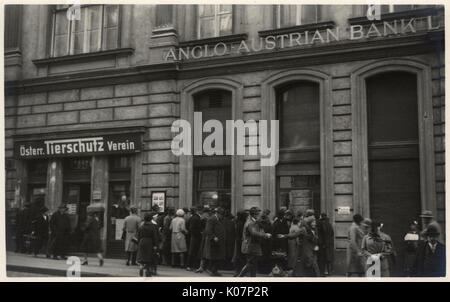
<point>130,227</point>
<point>430,261</point>
<point>59,231</point>
<point>215,240</point>
<point>428,220</point>
<point>252,236</point>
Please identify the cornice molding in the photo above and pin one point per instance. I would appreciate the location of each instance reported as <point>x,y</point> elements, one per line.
<point>84,56</point>
<point>343,51</point>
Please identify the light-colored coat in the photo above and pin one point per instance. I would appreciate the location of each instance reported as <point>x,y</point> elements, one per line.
<point>354,255</point>
<point>178,244</point>
<point>130,226</point>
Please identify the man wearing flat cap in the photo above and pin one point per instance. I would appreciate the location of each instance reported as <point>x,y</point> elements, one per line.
<point>252,236</point>
<point>430,261</point>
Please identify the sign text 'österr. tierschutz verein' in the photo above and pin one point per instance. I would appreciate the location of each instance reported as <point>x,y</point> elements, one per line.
<point>79,146</point>
<point>305,38</point>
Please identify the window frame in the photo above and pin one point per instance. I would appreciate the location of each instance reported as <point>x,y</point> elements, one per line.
<point>360,146</point>
<point>298,15</point>
<point>217,15</point>
<point>70,36</point>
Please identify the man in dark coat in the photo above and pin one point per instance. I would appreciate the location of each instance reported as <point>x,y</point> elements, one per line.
<point>40,230</point>
<point>326,245</point>
<point>215,241</point>
<point>252,236</point>
<point>59,232</point>
<point>280,226</point>
<point>430,260</point>
<point>195,230</point>
<point>266,245</point>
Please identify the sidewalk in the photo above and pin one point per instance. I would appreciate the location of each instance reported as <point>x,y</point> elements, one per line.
<point>40,265</point>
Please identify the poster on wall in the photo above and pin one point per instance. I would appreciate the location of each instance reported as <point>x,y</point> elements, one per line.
<point>159,199</point>
<point>119,228</point>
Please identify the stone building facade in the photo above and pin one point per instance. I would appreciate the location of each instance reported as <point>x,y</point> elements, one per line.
<point>145,66</point>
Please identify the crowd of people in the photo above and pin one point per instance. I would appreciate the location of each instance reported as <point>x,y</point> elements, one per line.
<point>424,253</point>
<point>202,239</point>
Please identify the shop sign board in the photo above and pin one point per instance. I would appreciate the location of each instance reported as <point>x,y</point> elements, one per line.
<point>79,146</point>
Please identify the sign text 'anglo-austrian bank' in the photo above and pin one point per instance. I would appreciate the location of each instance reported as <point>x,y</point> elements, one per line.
<point>305,38</point>
<point>79,146</point>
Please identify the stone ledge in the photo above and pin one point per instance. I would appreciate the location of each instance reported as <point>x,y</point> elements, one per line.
<point>84,56</point>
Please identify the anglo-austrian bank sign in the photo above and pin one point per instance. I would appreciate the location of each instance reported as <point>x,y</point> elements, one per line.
<point>79,146</point>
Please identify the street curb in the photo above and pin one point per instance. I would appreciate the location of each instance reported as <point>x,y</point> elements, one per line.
<point>50,271</point>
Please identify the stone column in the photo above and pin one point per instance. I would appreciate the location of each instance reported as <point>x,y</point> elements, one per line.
<point>21,184</point>
<point>99,190</point>
<point>54,184</point>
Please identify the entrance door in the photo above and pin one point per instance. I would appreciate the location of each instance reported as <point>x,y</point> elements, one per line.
<point>77,197</point>
<point>394,173</point>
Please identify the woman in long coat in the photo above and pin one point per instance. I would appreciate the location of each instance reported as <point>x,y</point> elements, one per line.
<point>91,238</point>
<point>377,246</point>
<point>310,247</point>
<point>147,237</point>
<point>130,227</point>
<point>354,253</point>
<point>292,252</point>
<point>179,232</point>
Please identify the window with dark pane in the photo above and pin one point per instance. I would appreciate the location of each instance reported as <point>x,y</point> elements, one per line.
<point>298,112</point>
<point>393,153</point>
<point>212,174</point>
<point>298,171</point>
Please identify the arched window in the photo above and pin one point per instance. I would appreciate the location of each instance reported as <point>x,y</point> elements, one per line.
<point>212,174</point>
<point>393,153</point>
<point>298,171</point>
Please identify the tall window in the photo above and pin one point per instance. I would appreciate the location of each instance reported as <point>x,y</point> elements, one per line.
<point>164,15</point>
<point>393,149</point>
<point>97,29</point>
<point>212,174</point>
<point>298,170</point>
<point>214,21</point>
<point>291,15</point>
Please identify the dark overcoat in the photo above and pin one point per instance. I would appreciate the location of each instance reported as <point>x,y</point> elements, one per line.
<point>59,232</point>
<point>429,264</point>
<point>148,241</point>
<point>195,229</point>
<point>215,228</point>
<point>91,236</point>
<point>326,240</point>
